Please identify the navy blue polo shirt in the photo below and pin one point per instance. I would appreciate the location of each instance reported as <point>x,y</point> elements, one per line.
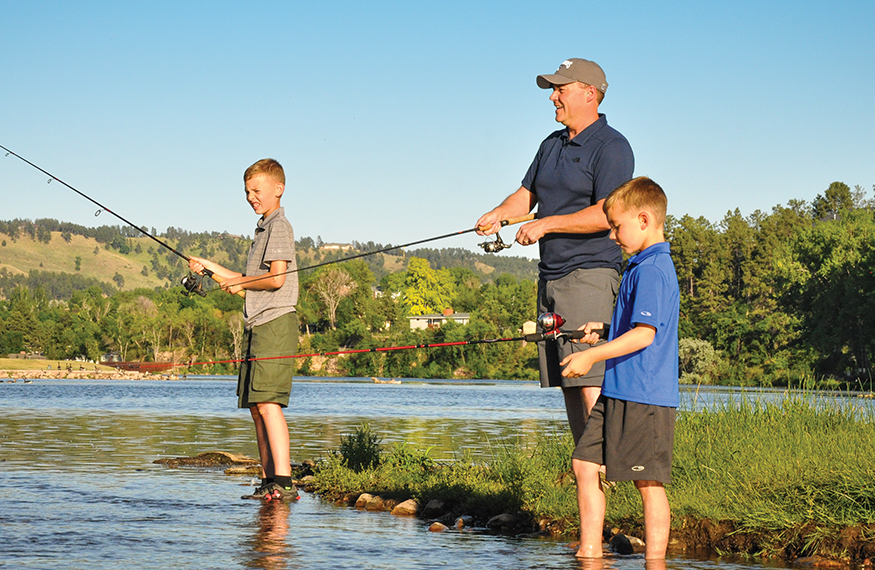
<point>570,175</point>
<point>648,295</point>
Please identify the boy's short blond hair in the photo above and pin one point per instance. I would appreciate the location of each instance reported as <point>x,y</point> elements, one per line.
<point>266,166</point>
<point>640,193</point>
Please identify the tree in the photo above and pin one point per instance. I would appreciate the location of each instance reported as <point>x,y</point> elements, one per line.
<point>426,290</point>
<point>836,199</point>
<point>332,285</point>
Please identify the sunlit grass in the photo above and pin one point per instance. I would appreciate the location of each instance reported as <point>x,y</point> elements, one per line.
<point>795,473</point>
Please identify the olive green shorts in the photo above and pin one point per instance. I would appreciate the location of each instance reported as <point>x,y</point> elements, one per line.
<point>270,380</point>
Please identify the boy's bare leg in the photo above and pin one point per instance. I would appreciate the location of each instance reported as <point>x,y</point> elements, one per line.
<point>591,504</point>
<point>267,469</point>
<point>657,518</point>
<point>272,432</point>
<point>578,404</point>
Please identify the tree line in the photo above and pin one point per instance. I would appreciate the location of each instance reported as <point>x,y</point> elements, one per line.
<point>778,299</point>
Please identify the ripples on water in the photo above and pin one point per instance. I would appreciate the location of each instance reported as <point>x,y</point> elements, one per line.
<point>78,488</point>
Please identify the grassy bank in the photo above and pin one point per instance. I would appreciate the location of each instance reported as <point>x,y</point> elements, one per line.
<point>26,364</point>
<point>780,480</point>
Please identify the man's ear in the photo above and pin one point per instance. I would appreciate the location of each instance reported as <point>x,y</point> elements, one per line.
<point>280,188</point>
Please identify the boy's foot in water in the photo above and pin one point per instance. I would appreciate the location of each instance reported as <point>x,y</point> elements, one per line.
<point>276,492</point>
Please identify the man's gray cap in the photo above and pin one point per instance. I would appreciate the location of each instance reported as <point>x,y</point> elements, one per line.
<point>575,69</point>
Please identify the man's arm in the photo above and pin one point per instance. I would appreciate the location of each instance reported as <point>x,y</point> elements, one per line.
<point>590,220</point>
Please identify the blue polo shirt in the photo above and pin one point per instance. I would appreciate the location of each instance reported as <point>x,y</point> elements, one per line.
<point>648,295</point>
<point>567,176</point>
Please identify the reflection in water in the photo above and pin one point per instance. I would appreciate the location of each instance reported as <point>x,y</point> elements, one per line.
<point>270,547</point>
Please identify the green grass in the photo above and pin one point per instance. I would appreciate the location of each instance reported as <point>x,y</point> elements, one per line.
<point>789,479</point>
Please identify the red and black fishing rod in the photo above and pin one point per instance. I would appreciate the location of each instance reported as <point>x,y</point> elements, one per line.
<point>550,322</point>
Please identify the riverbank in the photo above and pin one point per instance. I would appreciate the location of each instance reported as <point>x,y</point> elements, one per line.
<point>770,480</point>
<point>15,369</point>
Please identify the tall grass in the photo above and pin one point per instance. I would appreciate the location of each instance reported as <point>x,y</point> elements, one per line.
<point>795,474</point>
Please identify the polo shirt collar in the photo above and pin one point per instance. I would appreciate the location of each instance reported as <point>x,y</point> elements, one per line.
<point>583,135</point>
<point>655,249</point>
<point>262,221</point>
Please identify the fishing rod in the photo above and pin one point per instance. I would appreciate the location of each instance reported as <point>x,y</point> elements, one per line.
<point>488,246</point>
<point>189,285</point>
<point>550,322</point>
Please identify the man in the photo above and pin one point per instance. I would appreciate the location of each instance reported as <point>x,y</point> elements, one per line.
<point>573,172</point>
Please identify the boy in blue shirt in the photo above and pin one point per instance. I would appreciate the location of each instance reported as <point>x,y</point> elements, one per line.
<point>631,430</point>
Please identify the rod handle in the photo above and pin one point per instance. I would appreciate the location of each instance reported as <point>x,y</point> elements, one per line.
<point>512,221</point>
<point>220,280</point>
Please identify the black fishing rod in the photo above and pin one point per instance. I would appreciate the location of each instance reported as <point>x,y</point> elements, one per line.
<point>193,286</point>
<point>488,246</point>
<point>188,285</point>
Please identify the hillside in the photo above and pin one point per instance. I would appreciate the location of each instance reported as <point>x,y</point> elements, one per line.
<point>47,252</point>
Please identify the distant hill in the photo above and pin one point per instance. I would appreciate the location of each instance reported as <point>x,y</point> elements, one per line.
<point>63,257</point>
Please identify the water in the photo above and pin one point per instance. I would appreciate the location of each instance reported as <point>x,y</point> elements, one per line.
<point>79,489</point>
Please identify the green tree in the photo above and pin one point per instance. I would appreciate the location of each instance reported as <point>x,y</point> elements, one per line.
<point>427,290</point>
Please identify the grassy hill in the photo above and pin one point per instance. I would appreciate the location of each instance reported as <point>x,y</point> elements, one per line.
<point>33,253</point>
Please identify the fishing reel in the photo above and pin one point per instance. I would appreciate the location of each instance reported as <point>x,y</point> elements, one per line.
<point>494,246</point>
<point>550,322</point>
<point>192,283</point>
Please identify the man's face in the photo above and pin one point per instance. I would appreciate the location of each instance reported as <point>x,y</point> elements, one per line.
<point>570,101</point>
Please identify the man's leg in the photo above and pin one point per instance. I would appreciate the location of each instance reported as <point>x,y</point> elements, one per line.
<point>578,405</point>
<point>591,505</point>
<point>657,518</point>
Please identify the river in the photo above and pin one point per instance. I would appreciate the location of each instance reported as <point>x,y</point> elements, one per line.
<point>79,489</point>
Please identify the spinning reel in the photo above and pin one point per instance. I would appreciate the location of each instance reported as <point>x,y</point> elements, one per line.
<point>192,283</point>
<point>494,246</point>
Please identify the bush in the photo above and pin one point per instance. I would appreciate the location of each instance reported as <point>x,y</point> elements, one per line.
<point>361,449</point>
<point>698,361</point>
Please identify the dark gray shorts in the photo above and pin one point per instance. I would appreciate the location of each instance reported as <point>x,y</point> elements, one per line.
<point>633,441</point>
<point>262,381</point>
<point>582,296</point>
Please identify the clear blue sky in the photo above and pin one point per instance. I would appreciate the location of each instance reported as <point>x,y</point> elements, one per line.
<point>398,121</point>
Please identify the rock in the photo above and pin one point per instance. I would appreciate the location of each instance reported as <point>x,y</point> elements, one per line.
<point>208,459</point>
<point>376,503</point>
<point>504,520</point>
<point>362,500</point>
<point>621,544</point>
<point>463,521</point>
<point>437,527</point>
<point>433,508</point>
<point>408,508</point>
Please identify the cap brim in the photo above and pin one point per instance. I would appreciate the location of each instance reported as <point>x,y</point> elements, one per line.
<point>548,81</point>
